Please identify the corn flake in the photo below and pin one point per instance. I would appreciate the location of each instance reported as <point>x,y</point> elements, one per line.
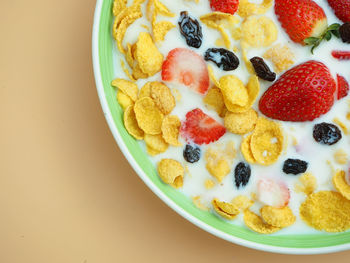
<point>242,202</point>
<point>198,203</point>
<point>212,76</point>
<point>119,6</point>
<point>259,32</point>
<point>209,184</point>
<point>124,100</point>
<point>340,183</point>
<point>148,116</point>
<point>147,55</point>
<point>156,143</point>
<point>219,160</point>
<point>256,223</point>
<point>246,9</point>
<point>126,70</point>
<point>341,157</point>
<point>145,91</point>
<point>267,141</point>
<point>214,100</point>
<point>171,172</point>
<point>246,150</point>
<point>233,91</point>
<point>278,217</point>
<point>307,184</point>
<point>281,56</point>
<point>326,210</point>
<point>127,87</point>
<point>226,210</point>
<point>170,130</point>
<point>241,123</point>
<point>341,125</point>
<point>162,97</point>
<point>131,125</point>
<point>160,29</point>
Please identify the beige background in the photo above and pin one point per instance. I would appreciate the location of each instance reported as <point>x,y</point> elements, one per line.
<point>66,192</point>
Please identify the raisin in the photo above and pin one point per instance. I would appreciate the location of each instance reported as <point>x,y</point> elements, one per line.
<point>191,30</point>
<point>294,166</point>
<point>192,154</point>
<point>242,174</point>
<point>223,58</point>
<point>262,70</point>
<point>326,133</point>
<point>344,32</point>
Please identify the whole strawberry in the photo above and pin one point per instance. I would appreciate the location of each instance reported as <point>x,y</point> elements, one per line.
<point>303,93</point>
<point>304,21</point>
<point>225,6</point>
<point>341,9</point>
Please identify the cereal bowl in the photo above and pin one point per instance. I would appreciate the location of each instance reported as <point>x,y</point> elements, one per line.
<point>104,66</point>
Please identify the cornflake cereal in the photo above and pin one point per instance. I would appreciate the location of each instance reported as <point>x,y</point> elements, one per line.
<point>233,91</point>
<point>145,91</point>
<point>241,123</point>
<point>209,184</point>
<point>127,87</point>
<point>340,183</point>
<point>118,6</point>
<point>162,97</point>
<point>148,116</point>
<point>219,160</point>
<point>266,142</point>
<point>326,210</point>
<point>124,100</point>
<point>147,55</point>
<point>214,100</point>
<point>131,125</point>
<point>212,76</point>
<point>156,143</point>
<point>256,223</point>
<point>246,9</point>
<point>281,57</point>
<point>226,210</point>
<point>170,129</point>
<point>341,157</point>
<point>198,203</point>
<point>246,150</point>
<point>242,202</point>
<point>341,125</point>
<point>278,217</point>
<point>307,184</point>
<point>171,172</point>
<point>160,30</point>
<point>259,31</point>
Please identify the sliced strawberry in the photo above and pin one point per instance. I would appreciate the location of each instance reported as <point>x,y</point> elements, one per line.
<point>341,55</point>
<point>186,67</point>
<point>341,9</point>
<point>225,6</point>
<point>343,87</point>
<point>273,193</point>
<point>303,93</point>
<point>201,128</point>
<point>301,19</point>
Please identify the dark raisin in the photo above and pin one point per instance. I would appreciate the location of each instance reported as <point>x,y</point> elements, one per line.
<point>326,133</point>
<point>191,30</point>
<point>344,32</point>
<point>262,70</point>
<point>242,174</point>
<point>223,58</point>
<point>294,166</point>
<point>192,154</point>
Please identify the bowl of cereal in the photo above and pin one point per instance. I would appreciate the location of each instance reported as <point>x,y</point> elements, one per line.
<point>233,118</point>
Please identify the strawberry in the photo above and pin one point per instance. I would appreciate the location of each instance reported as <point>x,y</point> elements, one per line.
<point>273,193</point>
<point>304,21</point>
<point>341,9</point>
<point>201,128</point>
<point>341,55</point>
<point>225,6</point>
<point>186,67</point>
<point>343,87</point>
<point>303,93</point>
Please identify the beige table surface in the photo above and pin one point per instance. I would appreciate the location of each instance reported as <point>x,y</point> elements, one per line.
<point>66,192</point>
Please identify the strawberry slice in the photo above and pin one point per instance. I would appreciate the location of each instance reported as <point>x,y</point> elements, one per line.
<point>303,93</point>
<point>341,9</point>
<point>341,55</point>
<point>225,6</point>
<point>273,193</point>
<point>186,67</point>
<point>201,128</point>
<point>343,87</point>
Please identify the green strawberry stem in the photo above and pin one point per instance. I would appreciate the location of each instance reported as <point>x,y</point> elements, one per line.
<point>327,35</point>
